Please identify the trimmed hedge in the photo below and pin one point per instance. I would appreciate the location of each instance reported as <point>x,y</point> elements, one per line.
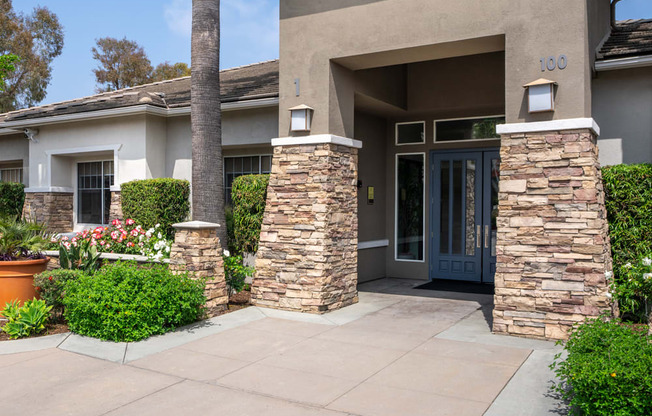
<point>123,302</point>
<point>249,194</point>
<point>12,199</point>
<point>156,201</point>
<point>628,199</point>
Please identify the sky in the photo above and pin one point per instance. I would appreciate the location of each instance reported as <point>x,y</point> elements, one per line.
<point>162,27</point>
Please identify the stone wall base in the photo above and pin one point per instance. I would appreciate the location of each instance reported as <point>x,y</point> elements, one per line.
<point>198,250</point>
<point>552,245</point>
<point>307,257</point>
<point>115,210</point>
<point>54,209</point>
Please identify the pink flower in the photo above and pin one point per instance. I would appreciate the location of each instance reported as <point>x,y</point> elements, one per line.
<point>140,244</point>
<point>115,235</point>
<point>64,238</point>
<point>130,244</point>
<point>102,243</point>
<point>98,230</point>
<point>66,244</point>
<point>130,222</point>
<point>93,243</point>
<point>115,222</point>
<point>134,233</point>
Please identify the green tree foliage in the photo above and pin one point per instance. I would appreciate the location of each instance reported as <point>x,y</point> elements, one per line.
<point>37,39</point>
<point>167,70</point>
<point>249,194</point>
<point>6,68</point>
<point>12,199</point>
<point>156,201</point>
<point>122,63</point>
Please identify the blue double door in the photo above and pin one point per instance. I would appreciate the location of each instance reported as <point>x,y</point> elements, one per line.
<point>464,208</point>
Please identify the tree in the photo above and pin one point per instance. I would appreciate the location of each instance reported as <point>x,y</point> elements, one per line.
<point>37,39</point>
<point>123,63</point>
<point>206,116</point>
<point>6,67</point>
<point>166,70</point>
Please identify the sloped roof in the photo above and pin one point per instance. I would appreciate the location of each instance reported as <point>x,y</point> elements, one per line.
<point>243,83</point>
<point>629,38</point>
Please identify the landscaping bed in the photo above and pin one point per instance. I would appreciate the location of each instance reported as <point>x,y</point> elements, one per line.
<point>50,329</point>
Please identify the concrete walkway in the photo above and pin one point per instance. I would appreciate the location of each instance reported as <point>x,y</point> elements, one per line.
<point>400,351</point>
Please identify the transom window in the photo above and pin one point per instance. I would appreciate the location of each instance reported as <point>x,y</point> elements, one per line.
<point>467,129</point>
<point>244,165</point>
<point>94,181</point>
<point>410,133</point>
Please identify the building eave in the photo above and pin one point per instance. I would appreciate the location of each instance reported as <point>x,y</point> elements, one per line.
<point>623,63</point>
<point>147,109</point>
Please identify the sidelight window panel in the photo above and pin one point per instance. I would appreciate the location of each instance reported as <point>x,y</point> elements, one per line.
<point>410,169</point>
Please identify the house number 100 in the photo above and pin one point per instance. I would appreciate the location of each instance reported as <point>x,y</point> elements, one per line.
<point>551,63</point>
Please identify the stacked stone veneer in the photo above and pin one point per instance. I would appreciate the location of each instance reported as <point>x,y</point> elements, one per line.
<point>552,244</point>
<point>197,250</point>
<point>307,257</point>
<point>54,209</point>
<point>115,210</point>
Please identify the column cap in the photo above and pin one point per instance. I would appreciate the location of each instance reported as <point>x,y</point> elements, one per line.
<point>317,139</point>
<point>196,225</point>
<point>552,125</point>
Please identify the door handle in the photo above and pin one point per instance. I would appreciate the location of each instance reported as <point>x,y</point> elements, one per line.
<point>486,236</point>
<point>478,236</point>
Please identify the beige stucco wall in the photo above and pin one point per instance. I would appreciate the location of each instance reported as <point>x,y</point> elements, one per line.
<point>366,33</point>
<point>15,147</point>
<point>622,107</point>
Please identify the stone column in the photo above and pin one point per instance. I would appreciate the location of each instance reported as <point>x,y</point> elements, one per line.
<point>53,208</point>
<point>197,249</point>
<point>115,210</point>
<point>308,252</point>
<point>552,244</point>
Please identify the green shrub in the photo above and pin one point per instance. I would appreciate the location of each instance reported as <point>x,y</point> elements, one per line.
<point>608,370</point>
<point>249,195</point>
<point>26,320</point>
<point>628,199</point>
<point>156,201</point>
<point>634,290</point>
<point>50,285</point>
<point>123,303</point>
<point>228,216</point>
<point>235,273</point>
<point>12,199</point>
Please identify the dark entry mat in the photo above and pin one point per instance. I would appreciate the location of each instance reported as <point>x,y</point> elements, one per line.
<point>458,286</point>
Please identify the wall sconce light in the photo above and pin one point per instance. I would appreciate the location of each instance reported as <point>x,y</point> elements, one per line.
<point>541,95</point>
<point>301,118</point>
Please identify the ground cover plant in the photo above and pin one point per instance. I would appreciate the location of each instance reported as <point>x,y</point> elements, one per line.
<point>26,320</point>
<point>161,201</point>
<point>608,370</point>
<point>120,238</point>
<point>123,302</point>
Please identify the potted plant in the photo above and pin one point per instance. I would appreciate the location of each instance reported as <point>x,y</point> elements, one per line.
<point>21,244</point>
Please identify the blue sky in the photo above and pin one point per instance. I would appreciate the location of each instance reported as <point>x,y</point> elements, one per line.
<point>162,27</point>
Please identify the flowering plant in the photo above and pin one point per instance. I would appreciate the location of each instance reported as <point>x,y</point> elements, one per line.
<point>634,288</point>
<point>119,238</point>
<point>235,272</point>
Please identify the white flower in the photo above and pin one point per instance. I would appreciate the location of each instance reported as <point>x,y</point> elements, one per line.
<point>647,276</point>
<point>608,275</point>
<point>609,295</point>
<point>167,249</point>
<point>227,253</point>
<point>159,236</point>
<point>628,265</point>
<point>647,261</point>
<point>157,225</point>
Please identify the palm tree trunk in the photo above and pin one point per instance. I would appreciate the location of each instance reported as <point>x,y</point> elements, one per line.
<point>206,116</point>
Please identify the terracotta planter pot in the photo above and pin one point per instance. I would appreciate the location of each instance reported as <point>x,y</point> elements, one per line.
<point>17,279</point>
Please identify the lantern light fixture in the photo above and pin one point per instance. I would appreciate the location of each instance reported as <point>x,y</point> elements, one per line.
<point>541,95</point>
<point>301,118</point>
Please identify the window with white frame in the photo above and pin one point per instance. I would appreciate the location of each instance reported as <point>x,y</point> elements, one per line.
<point>244,165</point>
<point>11,172</point>
<point>413,132</point>
<point>94,181</point>
<point>410,206</point>
<point>467,129</point>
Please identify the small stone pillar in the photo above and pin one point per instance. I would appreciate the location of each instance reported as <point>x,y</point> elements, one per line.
<point>307,259</point>
<point>52,208</point>
<point>197,249</point>
<point>552,244</point>
<point>115,210</point>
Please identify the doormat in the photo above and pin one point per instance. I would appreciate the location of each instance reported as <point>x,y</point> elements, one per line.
<point>458,286</point>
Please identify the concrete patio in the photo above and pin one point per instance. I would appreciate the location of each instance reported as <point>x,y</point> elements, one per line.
<point>400,351</point>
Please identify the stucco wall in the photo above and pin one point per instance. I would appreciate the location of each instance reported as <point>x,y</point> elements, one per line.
<point>362,34</point>
<point>15,147</point>
<point>622,107</point>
